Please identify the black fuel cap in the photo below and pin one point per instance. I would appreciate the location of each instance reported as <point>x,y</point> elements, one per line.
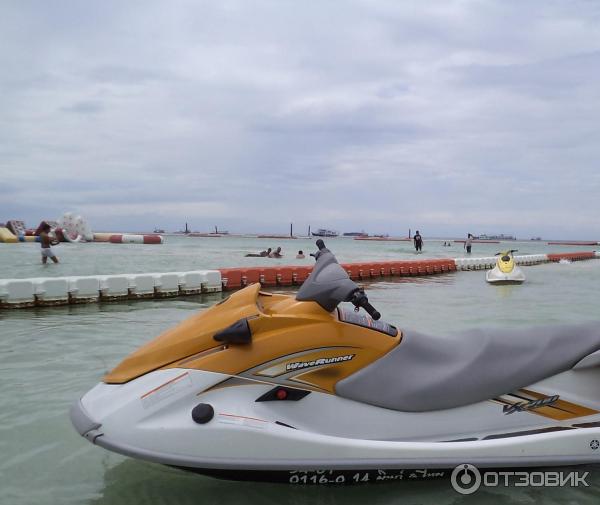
<point>202,413</point>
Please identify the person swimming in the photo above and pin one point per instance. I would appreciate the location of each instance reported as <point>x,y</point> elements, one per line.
<point>261,254</point>
<point>276,253</point>
<point>300,255</point>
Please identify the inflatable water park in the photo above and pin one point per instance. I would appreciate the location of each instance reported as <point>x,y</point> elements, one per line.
<point>70,228</point>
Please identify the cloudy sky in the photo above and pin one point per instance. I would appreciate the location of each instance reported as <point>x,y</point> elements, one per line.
<point>447,116</point>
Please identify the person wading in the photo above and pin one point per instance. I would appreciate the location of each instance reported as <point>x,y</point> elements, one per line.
<point>46,242</point>
<point>418,240</point>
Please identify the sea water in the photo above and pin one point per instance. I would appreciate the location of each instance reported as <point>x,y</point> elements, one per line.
<point>51,356</point>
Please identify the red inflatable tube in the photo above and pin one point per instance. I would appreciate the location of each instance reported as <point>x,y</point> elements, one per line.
<point>153,239</point>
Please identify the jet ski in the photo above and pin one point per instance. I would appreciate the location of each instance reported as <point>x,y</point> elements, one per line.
<point>316,388</point>
<point>505,271</point>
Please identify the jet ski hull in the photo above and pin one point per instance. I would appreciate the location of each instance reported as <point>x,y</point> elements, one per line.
<point>150,418</point>
<point>495,276</point>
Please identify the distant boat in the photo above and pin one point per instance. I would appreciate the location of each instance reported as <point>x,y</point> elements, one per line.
<point>356,234</point>
<point>158,230</point>
<point>321,232</point>
<point>496,237</point>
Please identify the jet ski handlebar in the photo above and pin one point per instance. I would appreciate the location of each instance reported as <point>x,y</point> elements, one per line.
<point>359,299</point>
<point>329,285</point>
<point>510,251</point>
<point>322,248</point>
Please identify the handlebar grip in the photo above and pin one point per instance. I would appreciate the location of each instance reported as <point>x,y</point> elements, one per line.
<point>359,299</point>
<point>372,311</point>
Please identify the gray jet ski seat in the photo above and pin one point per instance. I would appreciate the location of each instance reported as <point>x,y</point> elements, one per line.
<point>431,373</point>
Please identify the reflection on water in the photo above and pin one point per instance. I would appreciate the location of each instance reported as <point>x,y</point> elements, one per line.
<point>139,482</point>
<point>130,481</point>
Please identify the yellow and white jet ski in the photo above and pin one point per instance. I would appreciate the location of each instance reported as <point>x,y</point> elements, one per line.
<point>506,271</point>
<point>302,390</point>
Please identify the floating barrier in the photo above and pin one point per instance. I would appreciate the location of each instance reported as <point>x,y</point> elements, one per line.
<point>84,289</point>
<point>131,239</point>
<point>51,291</point>
<point>114,287</point>
<point>102,237</point>
<point>576,256</point>
<point>153,239</point>
<point>574,243</point>
<point>16,293</point>
<point>235,278</point>
<point>19,293</point>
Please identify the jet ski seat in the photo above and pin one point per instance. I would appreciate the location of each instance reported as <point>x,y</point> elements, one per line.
<point>425,373</point>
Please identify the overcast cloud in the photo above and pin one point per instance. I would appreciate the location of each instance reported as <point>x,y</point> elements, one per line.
<point>449,116</point>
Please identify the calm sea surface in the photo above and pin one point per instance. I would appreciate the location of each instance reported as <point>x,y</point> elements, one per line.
<point>49,357</point>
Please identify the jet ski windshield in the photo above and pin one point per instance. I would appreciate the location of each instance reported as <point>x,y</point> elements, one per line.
<point>329,285</point>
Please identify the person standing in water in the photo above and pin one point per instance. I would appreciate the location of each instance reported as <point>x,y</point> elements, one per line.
<point>468,243</point>
<point>418,240</point>
<point>47,244</point>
